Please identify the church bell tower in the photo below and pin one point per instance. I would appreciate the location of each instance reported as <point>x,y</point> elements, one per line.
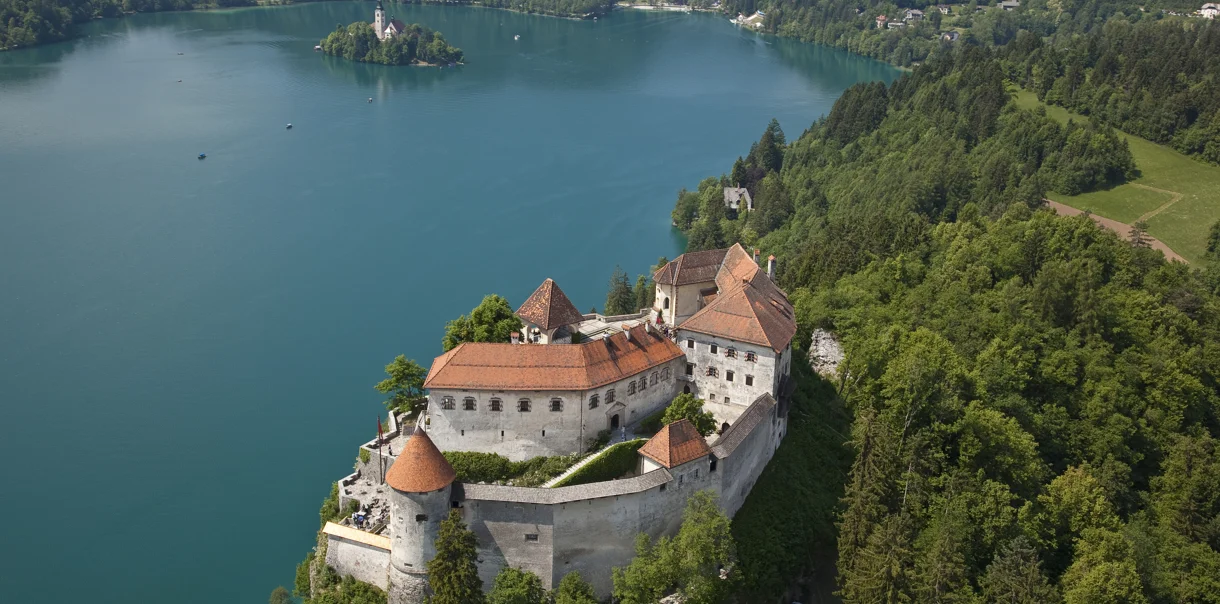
<point>379,20</point>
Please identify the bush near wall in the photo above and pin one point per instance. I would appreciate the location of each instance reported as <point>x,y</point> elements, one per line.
<point>490,467</point>
<point>610,464</point>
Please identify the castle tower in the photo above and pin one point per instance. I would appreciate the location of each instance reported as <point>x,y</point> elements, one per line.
<point>379,21</point>
<point>421,480</point>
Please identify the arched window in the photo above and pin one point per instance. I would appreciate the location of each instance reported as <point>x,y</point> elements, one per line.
<point>665,374</point>
<point>468,403</point>
<point>610,396</point>
<point>643,382</point>
<point>593,401</point>
<point>653,379</point>
<point>666,303</point>
<point>556,404</point>
<point>523,405</point>
<point>495,404</point>
<point>447,403</point>
<point>630,388</point>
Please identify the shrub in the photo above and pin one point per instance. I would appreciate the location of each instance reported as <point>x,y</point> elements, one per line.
<point>686,406</point>
<point>330,505</point>
<point>490,467</point>
<point>609,464</point>
<point>364,455</point>
<point>300,587</point>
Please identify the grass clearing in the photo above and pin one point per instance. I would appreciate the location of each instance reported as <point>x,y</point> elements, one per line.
<point>1183,225</point>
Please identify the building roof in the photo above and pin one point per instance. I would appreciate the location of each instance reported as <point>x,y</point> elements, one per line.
<point>676,444</point>
<point>359,536</point>
<point>420,467</point>
<point>734,195</point>
<point>743,426</point>
<point>548,307</point>
<point>691,267</point>
<point>493,366</point>
<point>754,311</point>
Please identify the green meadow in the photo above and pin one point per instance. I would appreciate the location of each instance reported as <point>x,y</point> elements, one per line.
<point>1177,196</point>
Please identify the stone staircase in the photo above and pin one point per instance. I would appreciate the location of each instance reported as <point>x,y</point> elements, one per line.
<point>578,465</point>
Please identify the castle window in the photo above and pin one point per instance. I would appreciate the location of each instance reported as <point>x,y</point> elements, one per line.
<point>643,382</point>
<point>556,404</point>
<point>726,400</point>
<point>610,396</point>
<point>714,349</point>
<point>666,303</point>
<point>730,353</point>
<point>593,402</point>
<point>531,536</point>
<point>630,388</point>
<point>468,403</point>
<point>523,405</point>
<point>751,357</point>
<point>421,517</point>
<point>713,468</point>
<point>749,380</point>
<point>680,477</point>
<point>728,375</point>
<point>690,369</point>
<point>495,404</point>
<point>665,374</point>
<point>713,372</point>
<point>662,488</point>
<point>690,344</point>
<point>653,379</point>
<point>447,403</point>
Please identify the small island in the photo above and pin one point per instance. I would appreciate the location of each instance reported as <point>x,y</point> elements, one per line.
<point>390,42</point>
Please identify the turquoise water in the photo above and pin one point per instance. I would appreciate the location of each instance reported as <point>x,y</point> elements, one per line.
<point>188,348</point>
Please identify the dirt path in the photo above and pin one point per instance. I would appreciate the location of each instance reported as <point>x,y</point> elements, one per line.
<point>1121,228</point>
<point>1174,197</point>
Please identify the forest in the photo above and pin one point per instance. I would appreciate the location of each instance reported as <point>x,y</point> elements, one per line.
<point>30,22</point>
<point>415,45</point>
<point>557,8</point>
<point>1028,407</point>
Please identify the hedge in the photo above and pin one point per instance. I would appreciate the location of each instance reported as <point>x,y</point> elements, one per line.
<point>491,467</point>
<point>609,464</point>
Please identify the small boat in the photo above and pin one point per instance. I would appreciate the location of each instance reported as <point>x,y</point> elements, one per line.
<point>517,37</point>
<point>289,127</point>
<point>370,99</point>
<point>203,156</point>
<point>317,47</point>
<point>179,54</point>
<point>179,81</point>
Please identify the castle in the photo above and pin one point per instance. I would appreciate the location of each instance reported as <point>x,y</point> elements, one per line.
<point>720,329</point>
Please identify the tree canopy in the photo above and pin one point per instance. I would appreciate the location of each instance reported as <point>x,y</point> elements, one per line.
<point>416,44</point>
<point>516,586</point>
<point>405,384</point>
<point>453,574</point>
<point>686,406</point>
<point>493,320</point>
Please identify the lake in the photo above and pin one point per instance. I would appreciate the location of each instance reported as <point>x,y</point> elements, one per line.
<point>188,347</point>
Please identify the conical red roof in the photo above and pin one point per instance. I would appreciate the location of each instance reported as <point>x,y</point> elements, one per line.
<point>548,307</point>
<point>676,444</point>
<point>420,468</point>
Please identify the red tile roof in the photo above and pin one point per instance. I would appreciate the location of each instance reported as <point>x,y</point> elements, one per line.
<point>420,468</point>
<point>691,267</point>
<point>753,311</point>
<point>549,308</point>
<point>676,444</point>
<point>493,366</point>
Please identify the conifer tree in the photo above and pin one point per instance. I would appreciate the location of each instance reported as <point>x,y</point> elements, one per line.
<point>620,298</point>
<point>452,574</point>
<point>1015,576</point>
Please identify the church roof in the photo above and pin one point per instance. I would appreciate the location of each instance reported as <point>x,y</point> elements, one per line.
<point>420,467</point>
<point>676,444</point>
<point>691,267</point>
<point>548,307</point>
<point>493,366</point>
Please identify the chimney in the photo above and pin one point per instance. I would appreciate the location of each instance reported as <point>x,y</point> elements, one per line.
<point>626,330</point>
<point>771,267</point>
<point>516,338</point>
<point>756,253</point>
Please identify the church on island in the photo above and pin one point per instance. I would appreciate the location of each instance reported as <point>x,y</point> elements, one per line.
<point>720,329</point>
<point>386,29</point>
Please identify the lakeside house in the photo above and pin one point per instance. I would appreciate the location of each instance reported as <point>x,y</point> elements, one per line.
<point>733,197</point>
<point>913,15</point>
<point>895,25</point>
<point>950,36</point>
<point>1210,11</point>
<point>944,9</point>
<point>881,19</point>
<point>1010,4</point>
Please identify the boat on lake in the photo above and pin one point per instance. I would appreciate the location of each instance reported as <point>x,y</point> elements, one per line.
<point>203,155</point>
<point>289,126</point>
